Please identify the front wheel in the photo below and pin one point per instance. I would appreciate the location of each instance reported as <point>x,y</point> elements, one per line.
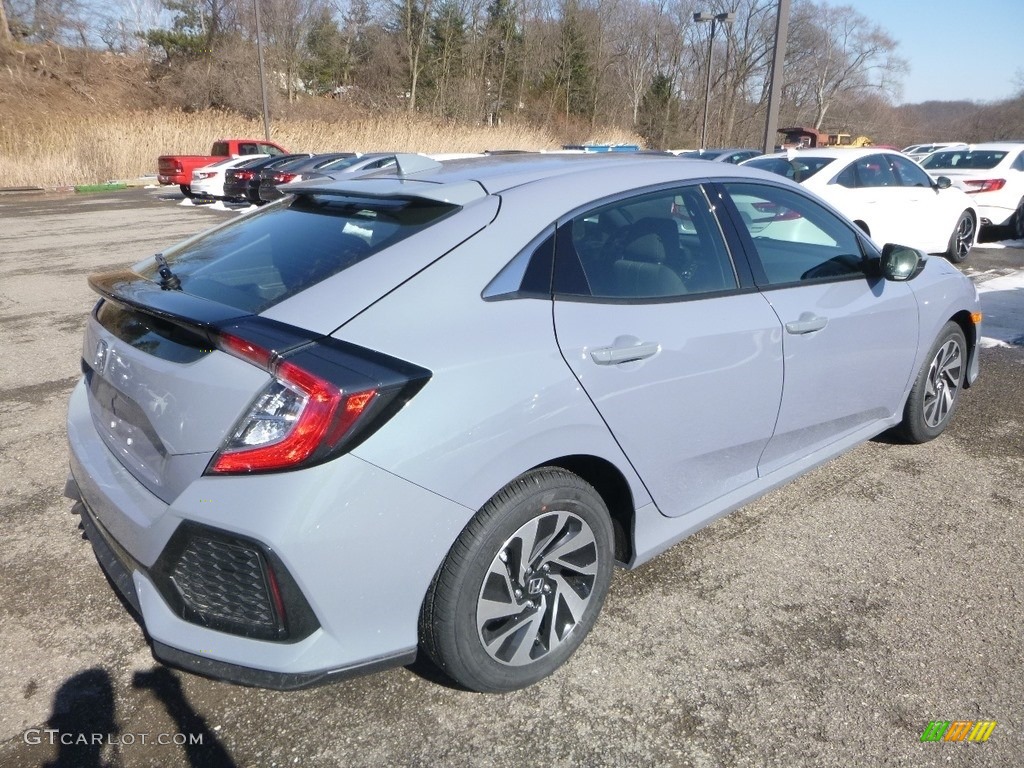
<point>962,239</point>
<point>936,393</point>
<point>522,585</point>
<point>1017,222</point>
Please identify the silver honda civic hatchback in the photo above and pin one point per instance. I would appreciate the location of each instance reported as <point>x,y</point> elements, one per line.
<point>429,410</point>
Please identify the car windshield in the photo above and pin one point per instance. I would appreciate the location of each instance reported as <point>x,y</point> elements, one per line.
<point>963,158</point>
<point>798,169</point>
<point>256,262</point>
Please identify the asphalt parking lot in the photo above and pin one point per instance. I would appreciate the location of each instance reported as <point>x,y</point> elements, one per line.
<point>825,625</point>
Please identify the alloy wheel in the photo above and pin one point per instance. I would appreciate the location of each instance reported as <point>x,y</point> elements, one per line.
<point>945,375</point>
<point>537,588</point>
<point>963,237</point>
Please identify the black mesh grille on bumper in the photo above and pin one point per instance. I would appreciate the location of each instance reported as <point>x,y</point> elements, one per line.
<point>231,584</point>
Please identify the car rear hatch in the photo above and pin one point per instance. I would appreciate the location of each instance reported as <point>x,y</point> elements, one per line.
<point>179,348</point>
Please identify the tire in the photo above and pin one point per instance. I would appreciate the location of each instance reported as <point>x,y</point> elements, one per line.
<point>936,393</point>
<point>962,239</point>
<point>495,621</point>
<point>1017,222</point>
<point>186,190</point>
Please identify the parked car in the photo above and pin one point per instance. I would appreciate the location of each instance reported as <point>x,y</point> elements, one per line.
<point>920,151</point>
<point>887,194</point>
<point>993,174</point>
<point>430,409</point>
<point>208,181</point>
<point>242,184</point>
<point>734,156</point>
<point>275,175</point>
<point>177,169</point>
<point>371,161</point>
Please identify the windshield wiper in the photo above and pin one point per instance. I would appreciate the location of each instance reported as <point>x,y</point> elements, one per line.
<point>168,280</point>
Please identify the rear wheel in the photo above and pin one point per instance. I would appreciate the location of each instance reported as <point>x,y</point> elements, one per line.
<point>962,239</point>
<point>936,393</point>
<point>522,585</point>
<point>186,190</point>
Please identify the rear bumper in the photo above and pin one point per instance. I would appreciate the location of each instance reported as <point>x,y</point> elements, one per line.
<point>338,529</point>
<point>995,215</point>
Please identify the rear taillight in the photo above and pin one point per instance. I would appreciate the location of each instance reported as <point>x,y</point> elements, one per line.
<point>203,174</point>
<point>244,175</point>
<point>283,178</point>
<point>313,409</point>
<point>973,186</point>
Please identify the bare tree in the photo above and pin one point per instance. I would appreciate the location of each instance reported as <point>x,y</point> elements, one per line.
<point>851,56</point>
<point>287,24</point>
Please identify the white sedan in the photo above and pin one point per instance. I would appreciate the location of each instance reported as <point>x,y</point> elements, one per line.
<point>208,181</point>
<point>993,175</point>
<point>887,194</point>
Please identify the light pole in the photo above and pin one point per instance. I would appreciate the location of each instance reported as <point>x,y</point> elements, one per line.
<point>263,80</point>
<point>702,17</point>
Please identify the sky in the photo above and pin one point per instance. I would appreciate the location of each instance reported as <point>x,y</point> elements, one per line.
<point>956,50</point>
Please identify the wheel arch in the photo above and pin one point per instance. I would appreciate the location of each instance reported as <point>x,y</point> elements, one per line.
<point>613,488</point>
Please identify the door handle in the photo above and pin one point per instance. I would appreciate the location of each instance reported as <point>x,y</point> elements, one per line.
<point>808,323</point>
<point>616,355</point>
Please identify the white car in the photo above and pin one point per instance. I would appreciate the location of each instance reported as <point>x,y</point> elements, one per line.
<point>887,194</point>
<point>993,174</point>
<point>920,151</point>
<point>208,181</point>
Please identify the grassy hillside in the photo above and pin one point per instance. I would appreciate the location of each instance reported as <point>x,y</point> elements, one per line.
<point>72,117</point>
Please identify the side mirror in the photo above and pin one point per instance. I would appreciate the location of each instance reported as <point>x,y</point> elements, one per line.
<point>900,263</point>
<point>943,182</point>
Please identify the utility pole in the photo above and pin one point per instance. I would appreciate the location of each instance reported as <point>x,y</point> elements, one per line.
<point>263,80</point>
<point>775,87</point>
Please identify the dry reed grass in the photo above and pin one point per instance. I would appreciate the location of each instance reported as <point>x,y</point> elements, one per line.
<point>91,148</point>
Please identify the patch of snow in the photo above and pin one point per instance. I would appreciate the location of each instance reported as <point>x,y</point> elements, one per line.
<point>187,202</point>
<point>1002,304</point>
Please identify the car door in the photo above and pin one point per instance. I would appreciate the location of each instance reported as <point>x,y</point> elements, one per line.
<point>668,338</point>
<point>869,190</point>
<point>849,337</point>
<point>938,210</point>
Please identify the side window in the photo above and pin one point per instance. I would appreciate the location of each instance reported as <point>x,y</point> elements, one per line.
<point>874,171</point>
<point>246,148</point>
<point>796,239</point>
<point>1018,164</point>
<point>848,178</point>
<point>661,245</point>
<point>910,174</point>
<point>267,149</point>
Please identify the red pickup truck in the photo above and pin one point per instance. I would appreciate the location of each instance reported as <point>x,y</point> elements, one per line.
<point>177,169</point>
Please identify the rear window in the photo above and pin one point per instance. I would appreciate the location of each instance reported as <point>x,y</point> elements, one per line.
<point>220,148</point>
<point>798,169</point>
<point>961,158</point>
<point>262,259</point>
